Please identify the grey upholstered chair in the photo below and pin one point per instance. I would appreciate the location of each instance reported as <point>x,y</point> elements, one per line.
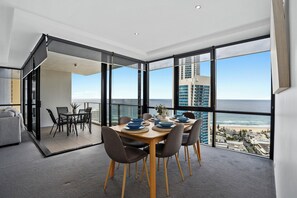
<point>147,116</point>
<point>193,139</point>
<point>121,154</point>
<point>189,115</point>
<point>168,149</point>
<point>131,142</point>
<point>128,141</point>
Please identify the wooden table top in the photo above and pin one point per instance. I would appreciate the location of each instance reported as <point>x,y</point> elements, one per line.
<point>151,134</point>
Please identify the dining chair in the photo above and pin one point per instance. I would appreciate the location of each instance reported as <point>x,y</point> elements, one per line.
<point>191,140</point>
<point>62,110</point>
<point>168,149</point>
<point>130,142</point>
<point>189,115</point>
<point>55,122</point>
<point>147,116</point>
<point>121,154</point>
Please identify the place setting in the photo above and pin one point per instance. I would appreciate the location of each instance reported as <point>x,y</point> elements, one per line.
<point>163,126</point>
<point>183,119</point>
<point>136,125</point>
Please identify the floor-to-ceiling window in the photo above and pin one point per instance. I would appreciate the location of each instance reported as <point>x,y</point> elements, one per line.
<point>161,85</point>
<point>243,102</point>
<point>125,91</point>
<point>194,90</point>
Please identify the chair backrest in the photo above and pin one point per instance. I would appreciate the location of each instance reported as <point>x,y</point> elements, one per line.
<point>113,145</point>
<point>195,132</point>
<point>189,115</point>
<point>124,120</point>
<point>52,116</point>
<point>62,110</point>
<point>88,109</point>
<point>147,116</point>
<point>81,110</point>
<point>173,141</point>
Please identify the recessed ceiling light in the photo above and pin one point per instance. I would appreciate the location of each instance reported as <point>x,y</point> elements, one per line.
<point>197,7</point>
<point>136,33</point>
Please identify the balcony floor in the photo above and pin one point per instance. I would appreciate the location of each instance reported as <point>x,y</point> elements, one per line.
<point>61,142</point>
<point>81,173</point>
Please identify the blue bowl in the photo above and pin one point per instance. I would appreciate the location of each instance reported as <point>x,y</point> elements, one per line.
<point>137,120</point>
<point>166,124</point>
<point>134,125</point>
<point>183,119</point>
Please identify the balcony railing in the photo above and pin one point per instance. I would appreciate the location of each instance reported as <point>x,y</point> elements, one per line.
<point>117,110</point>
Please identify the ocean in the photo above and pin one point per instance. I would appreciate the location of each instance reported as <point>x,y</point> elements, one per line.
<point>221,118</point>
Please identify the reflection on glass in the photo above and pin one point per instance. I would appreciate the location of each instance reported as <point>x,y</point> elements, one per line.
<point>244,133</point>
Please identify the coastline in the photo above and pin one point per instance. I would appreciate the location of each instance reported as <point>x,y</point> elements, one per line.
<point>254,128</point>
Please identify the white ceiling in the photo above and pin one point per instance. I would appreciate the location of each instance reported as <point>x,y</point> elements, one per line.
<point>65,63</point>
<point>165,27</point>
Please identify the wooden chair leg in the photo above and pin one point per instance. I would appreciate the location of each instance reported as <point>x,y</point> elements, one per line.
<point>143,169</point>
<point>147,175</point>
<point>107,175</point>
<point>197,154</point>
<point>179,167</point>
<point>124,180</point>
<point>189,162</point>
<point>166,176</point>
<point>199,150</point>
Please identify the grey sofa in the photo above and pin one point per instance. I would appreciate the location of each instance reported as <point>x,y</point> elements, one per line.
<point>10,129</point>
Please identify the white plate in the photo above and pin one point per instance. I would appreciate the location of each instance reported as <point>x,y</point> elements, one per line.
<point>160,126</point>
<point>126,127</point>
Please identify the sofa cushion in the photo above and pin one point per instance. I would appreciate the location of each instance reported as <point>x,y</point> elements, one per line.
<point>5,114</point>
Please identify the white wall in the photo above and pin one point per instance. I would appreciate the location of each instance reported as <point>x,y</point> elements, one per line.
<point>285,151</point>
<point>55,91</point>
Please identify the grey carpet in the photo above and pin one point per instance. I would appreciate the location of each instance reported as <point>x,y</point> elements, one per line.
<point>25,173</point>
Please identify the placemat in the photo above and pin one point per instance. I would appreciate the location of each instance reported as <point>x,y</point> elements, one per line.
<point>146,123</point>
<point>144,130</point>
<point>155,128</point>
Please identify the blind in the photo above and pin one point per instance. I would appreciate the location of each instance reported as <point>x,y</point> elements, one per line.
<point>40,54</point>
<point>28,67</point>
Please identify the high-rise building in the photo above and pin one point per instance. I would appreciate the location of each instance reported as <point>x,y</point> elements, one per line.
<point>194,90</point>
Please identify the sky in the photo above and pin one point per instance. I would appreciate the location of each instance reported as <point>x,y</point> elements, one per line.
<point>241,77</point>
